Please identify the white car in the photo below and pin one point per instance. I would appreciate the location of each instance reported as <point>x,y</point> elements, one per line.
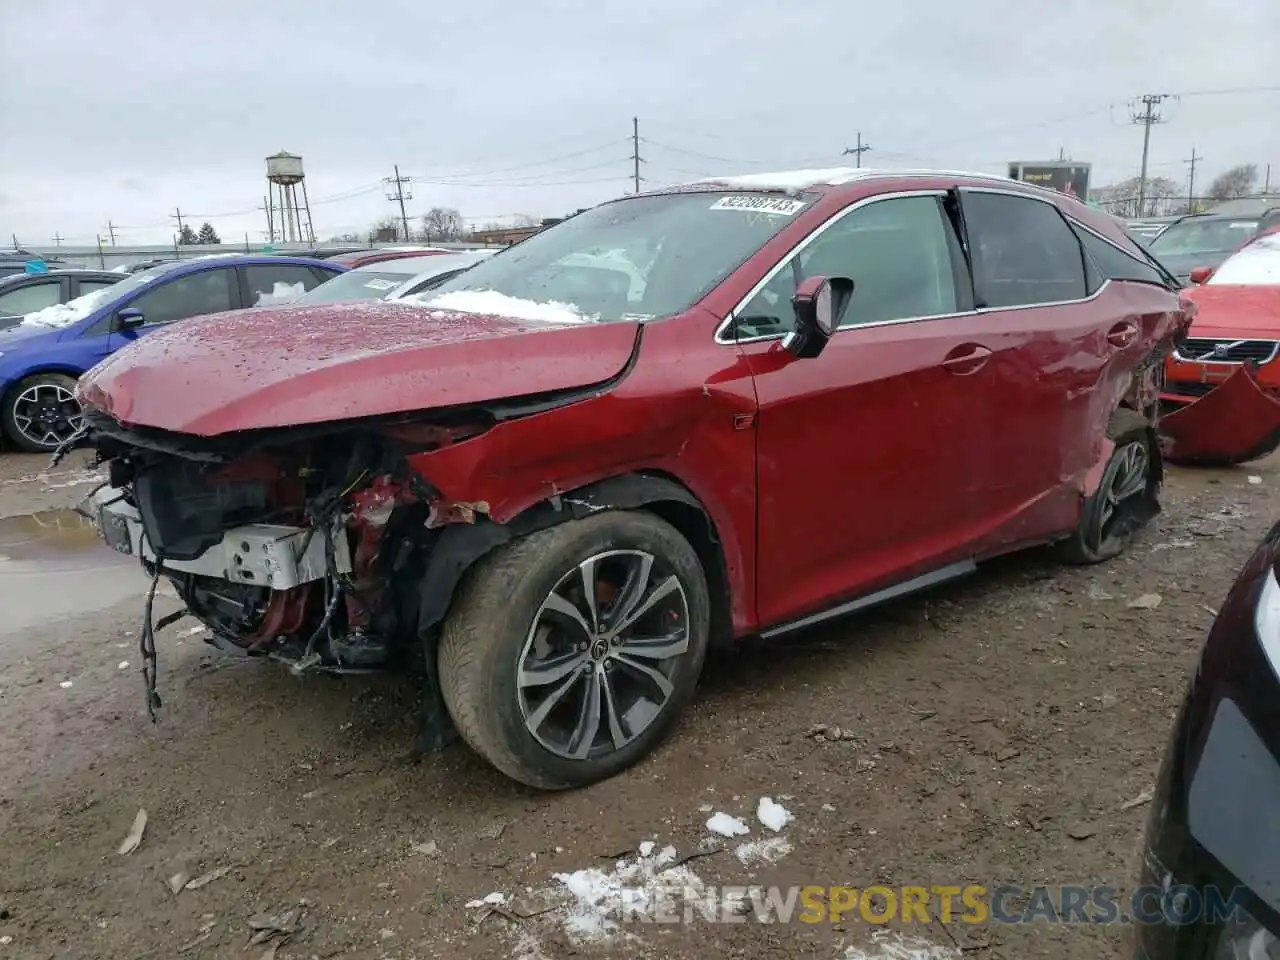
<point>393,279</point>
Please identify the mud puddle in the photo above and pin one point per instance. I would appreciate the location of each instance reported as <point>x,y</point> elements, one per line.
<point>54,564</point>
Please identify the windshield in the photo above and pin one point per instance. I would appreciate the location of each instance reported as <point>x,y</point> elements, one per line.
<point>355,285</point>
<point>1191,237</point>
<point>66,314</point>
<point>637,258</point>
<point>1256,264</point>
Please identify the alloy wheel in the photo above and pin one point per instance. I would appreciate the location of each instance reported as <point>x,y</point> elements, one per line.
<point>598,663</point>
<point>1126,479</point>
<point>46,414</point>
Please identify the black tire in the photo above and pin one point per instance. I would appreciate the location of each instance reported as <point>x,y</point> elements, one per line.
<point>1098,537</point>
<point>490,627</point>
<point>9,413</point>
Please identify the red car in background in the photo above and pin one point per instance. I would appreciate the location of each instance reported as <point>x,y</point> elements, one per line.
<point>738,407</point>
<point>1224,379</point>
<point>360,258</point>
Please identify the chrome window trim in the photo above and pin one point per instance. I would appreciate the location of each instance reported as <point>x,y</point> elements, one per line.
<point>865,201</point>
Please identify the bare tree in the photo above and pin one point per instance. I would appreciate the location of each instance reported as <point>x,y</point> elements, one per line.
<point>1236,182</point>
<point>1121,199</point>
<point>442,223</point>
<point>525,220</point>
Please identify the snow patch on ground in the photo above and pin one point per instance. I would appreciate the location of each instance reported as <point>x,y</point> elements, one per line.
<point>78,478</point>
<point>773,815</point>
<point>889,945</point>
<point>500,305</point>
<point>727,826</point>
<point>763,851</point>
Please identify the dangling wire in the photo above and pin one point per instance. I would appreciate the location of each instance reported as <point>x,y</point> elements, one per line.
<point>147,646</point>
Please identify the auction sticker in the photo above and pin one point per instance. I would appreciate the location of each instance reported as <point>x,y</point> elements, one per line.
<point>756,203</point>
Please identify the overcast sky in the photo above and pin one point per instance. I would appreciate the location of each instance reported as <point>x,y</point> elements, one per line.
<point>121,111</point>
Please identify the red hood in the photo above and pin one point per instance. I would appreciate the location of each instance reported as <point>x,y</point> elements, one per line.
<point>1244,311</point>
<point>285,366</point>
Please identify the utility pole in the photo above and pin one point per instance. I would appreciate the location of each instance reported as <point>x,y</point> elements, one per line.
<point>102,261</point>
<point>1191,183</point>
<point>178,216</point>
<point>111,229</point>
<point>1147,118</point>
<point>57,239</point>
<point>398,182</point>
<point>1266,183</point>
<point>635,153</point>
<point>858,151</point>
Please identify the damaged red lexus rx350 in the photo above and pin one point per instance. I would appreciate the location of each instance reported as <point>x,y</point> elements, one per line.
<point>737,407</point>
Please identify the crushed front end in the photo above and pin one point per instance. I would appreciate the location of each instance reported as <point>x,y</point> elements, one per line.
<point>303,546</point>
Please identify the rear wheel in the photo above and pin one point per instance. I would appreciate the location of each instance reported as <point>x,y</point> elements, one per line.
<point>1128,496</point>
<point>41,411</point>
<point>569,653</point>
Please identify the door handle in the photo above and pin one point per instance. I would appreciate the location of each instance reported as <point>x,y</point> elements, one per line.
<point>966,359</point>
<point>1122,334</point>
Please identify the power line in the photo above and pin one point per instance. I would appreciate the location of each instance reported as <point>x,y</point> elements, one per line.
<point>399,183</point>
<point>443,181</point>
<point>858,151</point>
<point>1191,183</point>
<point>531,163</point>
<point>635,151</point>
<point>1148,118</point>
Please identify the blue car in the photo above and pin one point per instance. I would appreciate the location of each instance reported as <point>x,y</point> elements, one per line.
<point>41,356</point>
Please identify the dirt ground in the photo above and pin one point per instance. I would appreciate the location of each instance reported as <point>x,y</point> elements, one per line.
<point>991,732</point>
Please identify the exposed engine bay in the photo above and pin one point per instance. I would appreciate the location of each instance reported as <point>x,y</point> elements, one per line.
<point>310,551</point>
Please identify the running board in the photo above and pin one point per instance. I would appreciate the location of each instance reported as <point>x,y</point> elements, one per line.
<point>923,582</point>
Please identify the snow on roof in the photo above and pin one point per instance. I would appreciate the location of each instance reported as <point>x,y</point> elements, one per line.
<point>796,180</point>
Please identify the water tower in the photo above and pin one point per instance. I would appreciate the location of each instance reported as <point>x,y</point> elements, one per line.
<point>285,218</point>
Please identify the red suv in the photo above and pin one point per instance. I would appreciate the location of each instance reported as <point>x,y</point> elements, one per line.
<point>737,407</point>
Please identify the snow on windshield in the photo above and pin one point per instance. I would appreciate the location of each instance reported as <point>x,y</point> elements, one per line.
<point>499,304</point>
<point>65,314</point>
<point>281,293</point>
<point>789,180</point>
<point>1258,263</point>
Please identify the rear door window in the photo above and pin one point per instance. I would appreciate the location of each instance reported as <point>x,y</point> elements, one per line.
<point>1024,253</point>
<point>275,284</point>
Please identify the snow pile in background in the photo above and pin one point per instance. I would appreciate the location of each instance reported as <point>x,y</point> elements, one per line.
<point>888,945</point>
<point>500,305</point>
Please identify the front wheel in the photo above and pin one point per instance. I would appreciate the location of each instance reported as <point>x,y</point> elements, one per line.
<point>41,411</point>
<point>1128,495</point>
<point>569,653</point>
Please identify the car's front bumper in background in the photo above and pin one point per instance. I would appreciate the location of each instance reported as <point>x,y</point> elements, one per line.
<point>1213,838</point>
<point>263,555</point>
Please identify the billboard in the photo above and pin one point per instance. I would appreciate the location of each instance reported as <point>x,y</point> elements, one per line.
<point>1063,176</point>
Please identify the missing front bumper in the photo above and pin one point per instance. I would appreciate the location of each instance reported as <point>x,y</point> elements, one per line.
<point>1235,422</point>
<point>273,556</point>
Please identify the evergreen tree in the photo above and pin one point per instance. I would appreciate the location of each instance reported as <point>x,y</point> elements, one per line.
<point>207,234</point>
<point>187,236</point>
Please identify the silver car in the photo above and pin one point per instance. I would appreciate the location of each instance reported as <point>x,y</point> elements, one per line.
<point>393,279</point>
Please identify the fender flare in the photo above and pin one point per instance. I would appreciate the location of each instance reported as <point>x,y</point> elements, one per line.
<point>460,545</point>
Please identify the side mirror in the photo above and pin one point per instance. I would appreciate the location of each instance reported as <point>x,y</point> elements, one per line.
<point>1200,274</point>
<point>129,318</point>
<point>820,303</point>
